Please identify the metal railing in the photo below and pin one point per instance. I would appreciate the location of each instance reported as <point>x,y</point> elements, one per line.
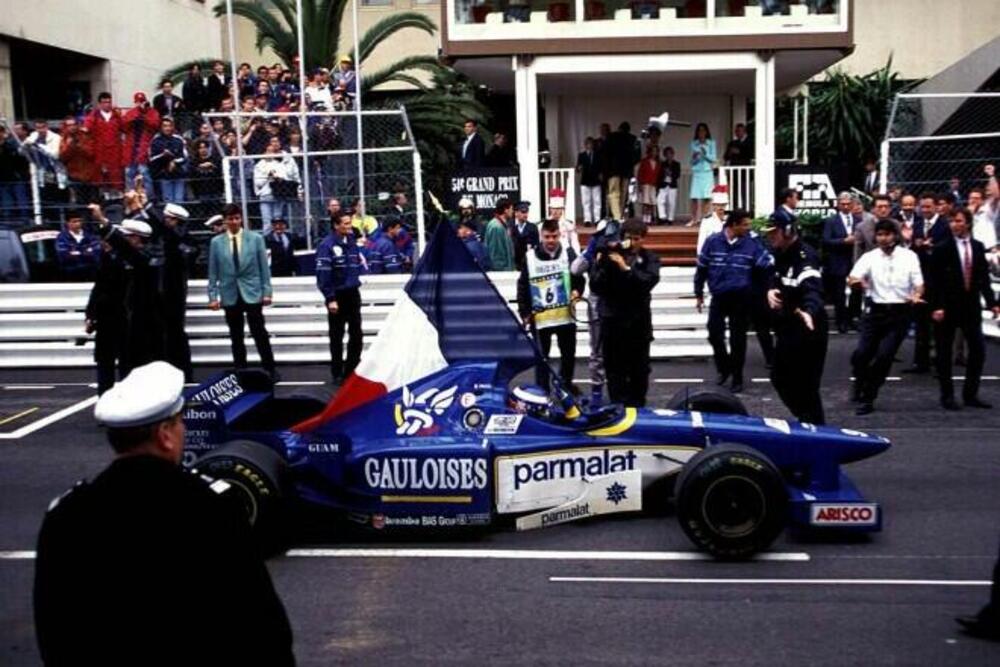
<point>740,182</point>
<point>41,324</point>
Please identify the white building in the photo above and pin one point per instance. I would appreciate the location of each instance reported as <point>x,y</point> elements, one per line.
<point>52,51</point>
<point>713,62</point>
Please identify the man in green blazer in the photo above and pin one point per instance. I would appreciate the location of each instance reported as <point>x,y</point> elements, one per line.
<point>239,282</point>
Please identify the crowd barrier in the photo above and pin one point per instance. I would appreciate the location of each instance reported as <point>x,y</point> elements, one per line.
<point>41,324</point>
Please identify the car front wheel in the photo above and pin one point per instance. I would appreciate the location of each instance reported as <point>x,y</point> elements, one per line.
<point>731,501</point>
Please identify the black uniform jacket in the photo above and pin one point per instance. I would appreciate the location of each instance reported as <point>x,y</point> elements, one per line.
<point>625,295</point>
<point>148,565</point>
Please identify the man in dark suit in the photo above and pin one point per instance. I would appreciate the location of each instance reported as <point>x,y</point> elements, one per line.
<point>788,201</point>
<point>473,149</point>
<point>739,151</point>
<point>165,102</point>
<point>838,257</point>
<point>218,85</point>
<point>913,235</point>
<point>281,246</point>
<point>523,232</point>
<point>959,275</point>
<point>870,185</point>
<point>588,171</point>
<point>936,227</point>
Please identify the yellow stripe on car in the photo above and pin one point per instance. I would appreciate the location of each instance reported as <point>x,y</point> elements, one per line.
<point>617,429</point>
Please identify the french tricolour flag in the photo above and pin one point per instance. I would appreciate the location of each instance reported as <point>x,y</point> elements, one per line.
<point>449,311</point>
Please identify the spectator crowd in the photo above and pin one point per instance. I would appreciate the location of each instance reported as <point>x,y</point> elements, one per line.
<point>172,146</point>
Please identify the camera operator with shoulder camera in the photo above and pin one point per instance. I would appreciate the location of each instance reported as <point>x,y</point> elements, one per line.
<point>624,275</point>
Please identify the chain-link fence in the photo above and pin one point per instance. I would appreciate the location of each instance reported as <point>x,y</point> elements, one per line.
<point>294,166</point>
<point>940,142</point>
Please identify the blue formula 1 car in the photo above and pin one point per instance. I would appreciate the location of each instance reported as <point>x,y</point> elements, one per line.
<point>438,434</point>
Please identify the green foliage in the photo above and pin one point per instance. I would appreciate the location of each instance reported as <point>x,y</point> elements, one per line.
<point>436,111</point>
<point>847,114</point>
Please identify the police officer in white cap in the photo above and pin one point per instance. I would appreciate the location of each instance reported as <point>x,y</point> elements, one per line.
<point>145,325</point>
<point>148,564</point>
<point>178,252</point>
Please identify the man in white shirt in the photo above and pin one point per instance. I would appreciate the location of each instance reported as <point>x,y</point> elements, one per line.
<point>714,221</point>
<point>893,282</point>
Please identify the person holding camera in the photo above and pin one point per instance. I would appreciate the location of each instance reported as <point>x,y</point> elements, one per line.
<point>624,275</point>
<point>546,290</point>
<point>276,183</point>
<point>139,127</point>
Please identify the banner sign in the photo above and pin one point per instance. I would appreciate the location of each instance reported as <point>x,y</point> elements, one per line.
<point>484,186</point>
<point>818,186</point>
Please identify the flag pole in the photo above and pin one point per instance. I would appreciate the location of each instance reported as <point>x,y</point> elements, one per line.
<point>238,110</point>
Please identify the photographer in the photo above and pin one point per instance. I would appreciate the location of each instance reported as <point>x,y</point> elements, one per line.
<point>139,126</point>
<point>624,275</point>
<point>276,183</point>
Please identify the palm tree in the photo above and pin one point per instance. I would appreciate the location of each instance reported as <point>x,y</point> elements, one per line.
<point>436,111</point>
<point>275,21</point>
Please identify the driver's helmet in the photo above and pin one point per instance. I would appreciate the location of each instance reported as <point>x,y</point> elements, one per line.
<point>530,399</point>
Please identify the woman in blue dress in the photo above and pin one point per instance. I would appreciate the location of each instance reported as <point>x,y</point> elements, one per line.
<point>703,158</point>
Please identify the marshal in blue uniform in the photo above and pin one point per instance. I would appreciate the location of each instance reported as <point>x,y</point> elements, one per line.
<point>796,297</point>
<point>338,275</point>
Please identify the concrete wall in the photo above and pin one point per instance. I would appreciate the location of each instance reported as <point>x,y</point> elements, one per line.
<point>408,42</point>
<point>139,39</point>
<point>924,36</point>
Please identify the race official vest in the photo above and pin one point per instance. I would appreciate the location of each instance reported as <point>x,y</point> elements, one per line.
<point>550,290</point>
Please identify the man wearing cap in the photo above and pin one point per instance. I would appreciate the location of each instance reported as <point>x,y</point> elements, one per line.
<point>545,293</point>
<point>467,211</point>
<point>338,277</point>
<point>606,232</point>
<point>567,228</point>
<point>178,251</point>
<point>497,237</point>
<point>145,312</point>
<point>217,224</point>
<point>380,249</point>
<point>78,250</point>
<point>713,222</point>
<point>281,245</point>
<point>239,281</point>
<point>524,233</point>
<point>140,125</point>
<point>468,233</point>
<point>796,299</point>
<point>123,559</point>
<point>345,77</point>
<point>727,262</point>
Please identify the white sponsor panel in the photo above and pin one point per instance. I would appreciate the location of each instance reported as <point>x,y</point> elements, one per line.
<point>618,492</point>
<point>537,481</point>
<point>503,424</point>
<point>843,514</point>
<point>431,474</point>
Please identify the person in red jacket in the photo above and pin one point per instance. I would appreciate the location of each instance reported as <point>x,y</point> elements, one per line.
<point>104,125</point>
<point>647,176</point>
<point>141,123</point>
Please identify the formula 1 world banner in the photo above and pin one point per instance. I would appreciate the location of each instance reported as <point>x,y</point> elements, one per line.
<point>818,186</point>
<point>484,186</point>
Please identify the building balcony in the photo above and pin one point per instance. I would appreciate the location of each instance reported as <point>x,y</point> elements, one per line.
<point>496,27</point>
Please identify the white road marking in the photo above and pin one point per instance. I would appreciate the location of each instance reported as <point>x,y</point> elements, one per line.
<point>533,554</point>
<point>678,380</point>
<point>50,385</point>
<point>17,387</point>
<point>771,582</point>
<point>310,383</point>
<point>51,419</point>
<point>17,555</point>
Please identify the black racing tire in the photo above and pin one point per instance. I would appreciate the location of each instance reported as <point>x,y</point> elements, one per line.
<point>258,479</point>
<point>707,399</point>
<point>731,501</point>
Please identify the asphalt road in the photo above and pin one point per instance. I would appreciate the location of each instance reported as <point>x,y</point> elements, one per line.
<point>889,599</point>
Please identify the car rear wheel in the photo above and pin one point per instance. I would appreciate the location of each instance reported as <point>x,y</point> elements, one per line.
<point>257,477</point>
<point>707,399</point>
<point>731,501</point>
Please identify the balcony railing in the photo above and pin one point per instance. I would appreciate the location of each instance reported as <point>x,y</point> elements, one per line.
<point>548,19</point>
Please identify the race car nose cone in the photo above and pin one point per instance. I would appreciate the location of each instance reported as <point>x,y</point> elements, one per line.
<point>858,445</point>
